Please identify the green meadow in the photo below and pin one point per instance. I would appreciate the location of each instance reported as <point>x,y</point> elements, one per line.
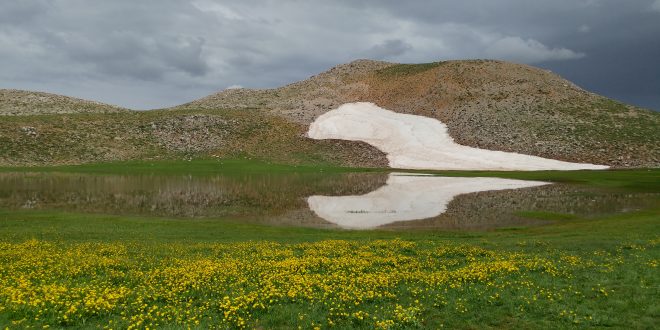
<point>96,270</point>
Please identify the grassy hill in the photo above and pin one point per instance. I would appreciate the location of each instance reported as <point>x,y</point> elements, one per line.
<point>161,134</point>
<point>486,104</point>
<point>21,103</point>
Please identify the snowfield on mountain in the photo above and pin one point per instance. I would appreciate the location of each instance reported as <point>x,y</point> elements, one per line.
<point>418,142</point>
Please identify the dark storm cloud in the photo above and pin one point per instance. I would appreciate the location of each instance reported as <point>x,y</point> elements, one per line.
<point>148,58</point>
<point>108,41</point>
<point>154,53</point>
<point>14,12</point>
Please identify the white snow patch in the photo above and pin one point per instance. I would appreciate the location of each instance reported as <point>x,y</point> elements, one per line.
<point>418,142</point>
<point>404,198</point>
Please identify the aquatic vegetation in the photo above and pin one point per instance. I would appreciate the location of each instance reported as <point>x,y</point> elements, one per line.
<point>333,283</point>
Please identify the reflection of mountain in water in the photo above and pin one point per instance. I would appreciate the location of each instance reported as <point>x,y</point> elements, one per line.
<point>282,199</point>
<point>404,198</point>
<point>180,196</point>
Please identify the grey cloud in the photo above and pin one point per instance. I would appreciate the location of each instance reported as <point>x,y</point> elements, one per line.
<point>156,53</point>
<point>130,55</point>
<point>14,12</point>
<point>528,51</point>
<point>388,49</point>
<point>186,55</point>
<point>584,28</point>
<point>128,51</point>
<point>656,5</point>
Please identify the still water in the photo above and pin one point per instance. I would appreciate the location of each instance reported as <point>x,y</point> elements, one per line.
<point>348,200</point>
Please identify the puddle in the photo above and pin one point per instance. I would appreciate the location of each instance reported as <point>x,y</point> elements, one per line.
<point>348,200</point>
<point>404,198</point>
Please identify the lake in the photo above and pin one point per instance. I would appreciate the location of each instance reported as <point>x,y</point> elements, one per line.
<point>359,201</point>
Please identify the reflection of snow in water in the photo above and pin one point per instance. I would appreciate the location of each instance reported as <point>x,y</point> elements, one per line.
<point>404,198</point>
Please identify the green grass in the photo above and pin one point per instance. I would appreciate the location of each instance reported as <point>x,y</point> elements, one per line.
<point>567,232</point>
<point>543,215</point>
<point>82,227</point>
<point>634,179</point>
<point>203,166</point>
<point>603,272</point>
<point>407,69</point>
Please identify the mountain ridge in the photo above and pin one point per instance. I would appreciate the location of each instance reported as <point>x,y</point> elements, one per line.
<point>16,102</point>
<point>485,104</point>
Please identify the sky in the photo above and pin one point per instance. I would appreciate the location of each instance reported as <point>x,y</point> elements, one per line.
<point>158,53</point>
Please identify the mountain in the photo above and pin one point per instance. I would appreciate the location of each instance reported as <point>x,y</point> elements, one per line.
<point>485,104</point>
<point>15,102</point>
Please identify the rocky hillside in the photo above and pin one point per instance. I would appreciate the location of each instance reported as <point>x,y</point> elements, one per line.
<point>22,103</point>
<point>486,104</point>
<point>140,135</point>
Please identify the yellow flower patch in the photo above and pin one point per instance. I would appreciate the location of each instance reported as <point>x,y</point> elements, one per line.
<point>382,284</point>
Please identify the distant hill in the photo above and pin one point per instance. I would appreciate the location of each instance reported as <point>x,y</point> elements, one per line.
<point>486,104</point>
<point>15,102</point>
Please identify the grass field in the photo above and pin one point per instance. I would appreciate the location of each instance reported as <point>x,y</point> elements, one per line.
<point>635,179</point>
<point>94,270</point>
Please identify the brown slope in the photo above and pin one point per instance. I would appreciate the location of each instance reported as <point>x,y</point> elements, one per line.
<point>152,135</point>
<point>15,102</point>
<point>487,104</point>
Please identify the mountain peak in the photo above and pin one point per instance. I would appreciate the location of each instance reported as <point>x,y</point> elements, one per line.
<point>488,104</point>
